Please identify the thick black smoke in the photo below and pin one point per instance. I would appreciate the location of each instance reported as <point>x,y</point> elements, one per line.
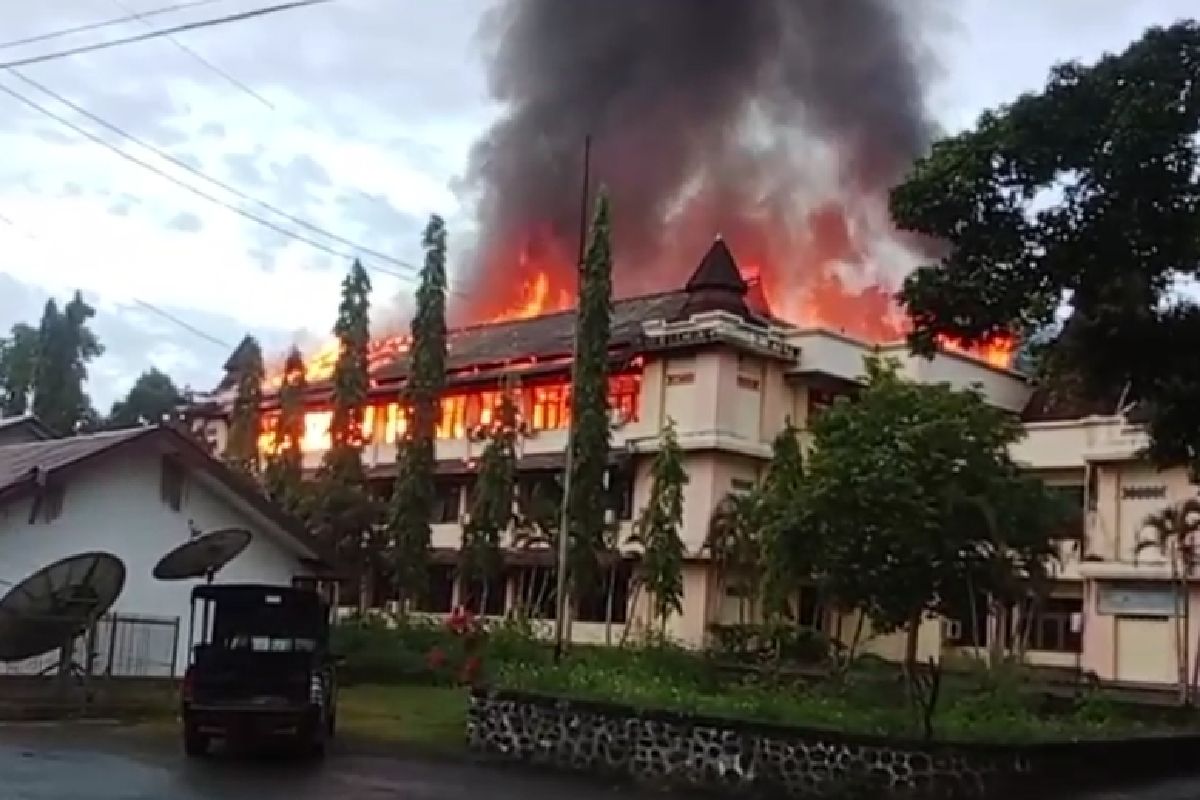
<point>705,116</point>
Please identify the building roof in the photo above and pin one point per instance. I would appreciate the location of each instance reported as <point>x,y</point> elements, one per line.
<point>33,425</point>
<point>27,466</point>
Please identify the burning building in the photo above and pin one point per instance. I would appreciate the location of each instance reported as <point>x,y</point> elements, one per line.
<point>705,354</point>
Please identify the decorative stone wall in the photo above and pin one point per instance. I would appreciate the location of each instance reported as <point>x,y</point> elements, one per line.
<point>682,752</point>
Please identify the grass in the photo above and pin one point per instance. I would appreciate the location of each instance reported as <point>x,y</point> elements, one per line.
<point>429,718</point>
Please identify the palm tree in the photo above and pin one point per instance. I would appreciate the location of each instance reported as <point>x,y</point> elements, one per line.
<point>1173,531</point>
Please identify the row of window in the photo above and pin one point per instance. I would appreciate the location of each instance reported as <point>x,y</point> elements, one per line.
<point>528,590</point>
<point>451,495</point>
<point>542,407</point>
<point>1055,626</point>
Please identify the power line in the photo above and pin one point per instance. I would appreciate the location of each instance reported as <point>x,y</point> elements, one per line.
<point>91,26</point>
<point>184,185</point>
<point>178,162</point>
<point>183,324</point>
<point>154,34</point>
<point>199,58</point>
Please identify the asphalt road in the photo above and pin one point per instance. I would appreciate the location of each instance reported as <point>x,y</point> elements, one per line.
<point>100,763</point>
<point>84,762</point>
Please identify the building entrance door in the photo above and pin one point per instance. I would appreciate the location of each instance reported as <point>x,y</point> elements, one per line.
<point>1145,650</point>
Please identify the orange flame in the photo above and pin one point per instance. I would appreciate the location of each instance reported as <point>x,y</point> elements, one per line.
<point>535,300</point>
<point>998,351</point>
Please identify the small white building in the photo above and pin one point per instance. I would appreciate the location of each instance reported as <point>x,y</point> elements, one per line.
<point>137,494</point>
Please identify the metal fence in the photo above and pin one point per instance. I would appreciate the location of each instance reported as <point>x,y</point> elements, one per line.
<point>118,645</point>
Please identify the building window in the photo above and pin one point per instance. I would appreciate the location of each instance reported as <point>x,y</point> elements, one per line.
<point>485,598</point>
<point>171,483</point>
<point>1071,496</point>
<point>1055,627</point>
<point>623,391</point>
<point>681,379</point>
<point>967,631</point>
<point>808,611</point>
<point>536,590</point>
<point>48,504</point>
<point>741,485</point>
<point>746,382</point>
<point>549,407</point>
<point>593,604</point>
<point>438,597</point>
<point>819,400</point>
<point>453,424</point>
<point>447,502</point>
<point>620,492</point>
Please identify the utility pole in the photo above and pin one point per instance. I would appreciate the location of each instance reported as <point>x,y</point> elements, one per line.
<point>560,596</point>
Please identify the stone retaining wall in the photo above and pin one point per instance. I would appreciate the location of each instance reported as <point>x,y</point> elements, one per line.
<point>679,751</point>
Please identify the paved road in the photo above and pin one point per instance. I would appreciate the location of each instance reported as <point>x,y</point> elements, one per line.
<point>50,763</point>
<point>99,763</point>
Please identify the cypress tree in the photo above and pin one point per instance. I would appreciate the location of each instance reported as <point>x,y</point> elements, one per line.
<point>343,511</point>
<point>491,506</point>
<point>65,346</point>
<point>657,530</point>
<point>786,560</point>
<point>589,405</point>
<point>285,463</point>
<point>245,421</point>
<point>412,498</point>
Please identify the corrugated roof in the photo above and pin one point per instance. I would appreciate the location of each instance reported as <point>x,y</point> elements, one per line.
<point>18,461</point>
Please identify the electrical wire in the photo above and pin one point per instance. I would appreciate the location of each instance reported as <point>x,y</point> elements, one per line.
<point>91,26</point>
<point>204,62</point>
<point>183,324</point>
<point>188,187</point>
<point>180,163</point>
<point>154,34</point>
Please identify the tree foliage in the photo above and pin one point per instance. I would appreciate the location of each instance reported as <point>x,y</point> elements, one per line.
<point>284,472</point>
<point>915,502</point>
<point>657,529</point>
<point>586,524</point>
<point>152,398</point>
<point>785,563</point>
<point>343,511</point>
<point>65,346</point>
<point>1090,191</point>
<point>18,366</point>
<point>490,510</point>
<point>245,419</point>
<point>412,497</point>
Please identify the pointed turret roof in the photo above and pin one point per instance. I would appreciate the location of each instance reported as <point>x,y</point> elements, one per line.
<point>717,284</point>
<point>717,271</point>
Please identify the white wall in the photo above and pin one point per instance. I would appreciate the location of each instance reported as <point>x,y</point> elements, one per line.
<point>115,507</point>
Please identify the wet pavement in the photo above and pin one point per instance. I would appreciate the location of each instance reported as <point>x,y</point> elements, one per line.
<point>96,763</point>
<point>93,762</point>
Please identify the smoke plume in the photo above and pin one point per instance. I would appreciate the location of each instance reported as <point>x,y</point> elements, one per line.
<point>780,124</point>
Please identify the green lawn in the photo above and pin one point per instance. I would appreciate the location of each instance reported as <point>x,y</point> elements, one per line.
<point>425,717</point>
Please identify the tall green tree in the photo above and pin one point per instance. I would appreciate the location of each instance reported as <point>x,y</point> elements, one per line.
<point>657,530</point>
<point>18,365</point>
<point>151,399</point>
<point>586,525</point>
<point>245,419</point>
<point>785,563</point>
<point>284,472</point>
<point>412,498</point>
<point>490,511</point>
<point>344,513</point>
<point>913,494</point>
<point>1086,192</point>
<point>734,542</point>
<point>65,346</point>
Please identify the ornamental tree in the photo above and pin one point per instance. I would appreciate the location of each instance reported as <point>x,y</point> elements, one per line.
<point>490,511</point>
<point>412,498</point>
<point>245,419</point>
<point>152,397</point>
<point>343,511</point>
<point>586,501</point>
<point>18,365</point>
<point>284,474</point>
<point>657,530</point>
<point>1087,192</point>
<point>65,346</point>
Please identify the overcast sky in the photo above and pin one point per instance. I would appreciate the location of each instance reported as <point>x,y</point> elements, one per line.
<point>356,116</point>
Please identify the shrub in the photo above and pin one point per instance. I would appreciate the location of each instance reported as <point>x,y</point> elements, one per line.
<point>770,643</point>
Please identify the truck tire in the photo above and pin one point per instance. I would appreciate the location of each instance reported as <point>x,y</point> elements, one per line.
<point>195,743</point>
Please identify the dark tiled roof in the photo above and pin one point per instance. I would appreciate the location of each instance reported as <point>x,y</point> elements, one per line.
<point>718,270</point>
<point>543,337</point>
<point>18,461</point>
<point>29,421</point>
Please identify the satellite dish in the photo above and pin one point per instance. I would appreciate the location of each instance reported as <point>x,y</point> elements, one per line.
<point>57,603</point>
<point>203,556</point>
